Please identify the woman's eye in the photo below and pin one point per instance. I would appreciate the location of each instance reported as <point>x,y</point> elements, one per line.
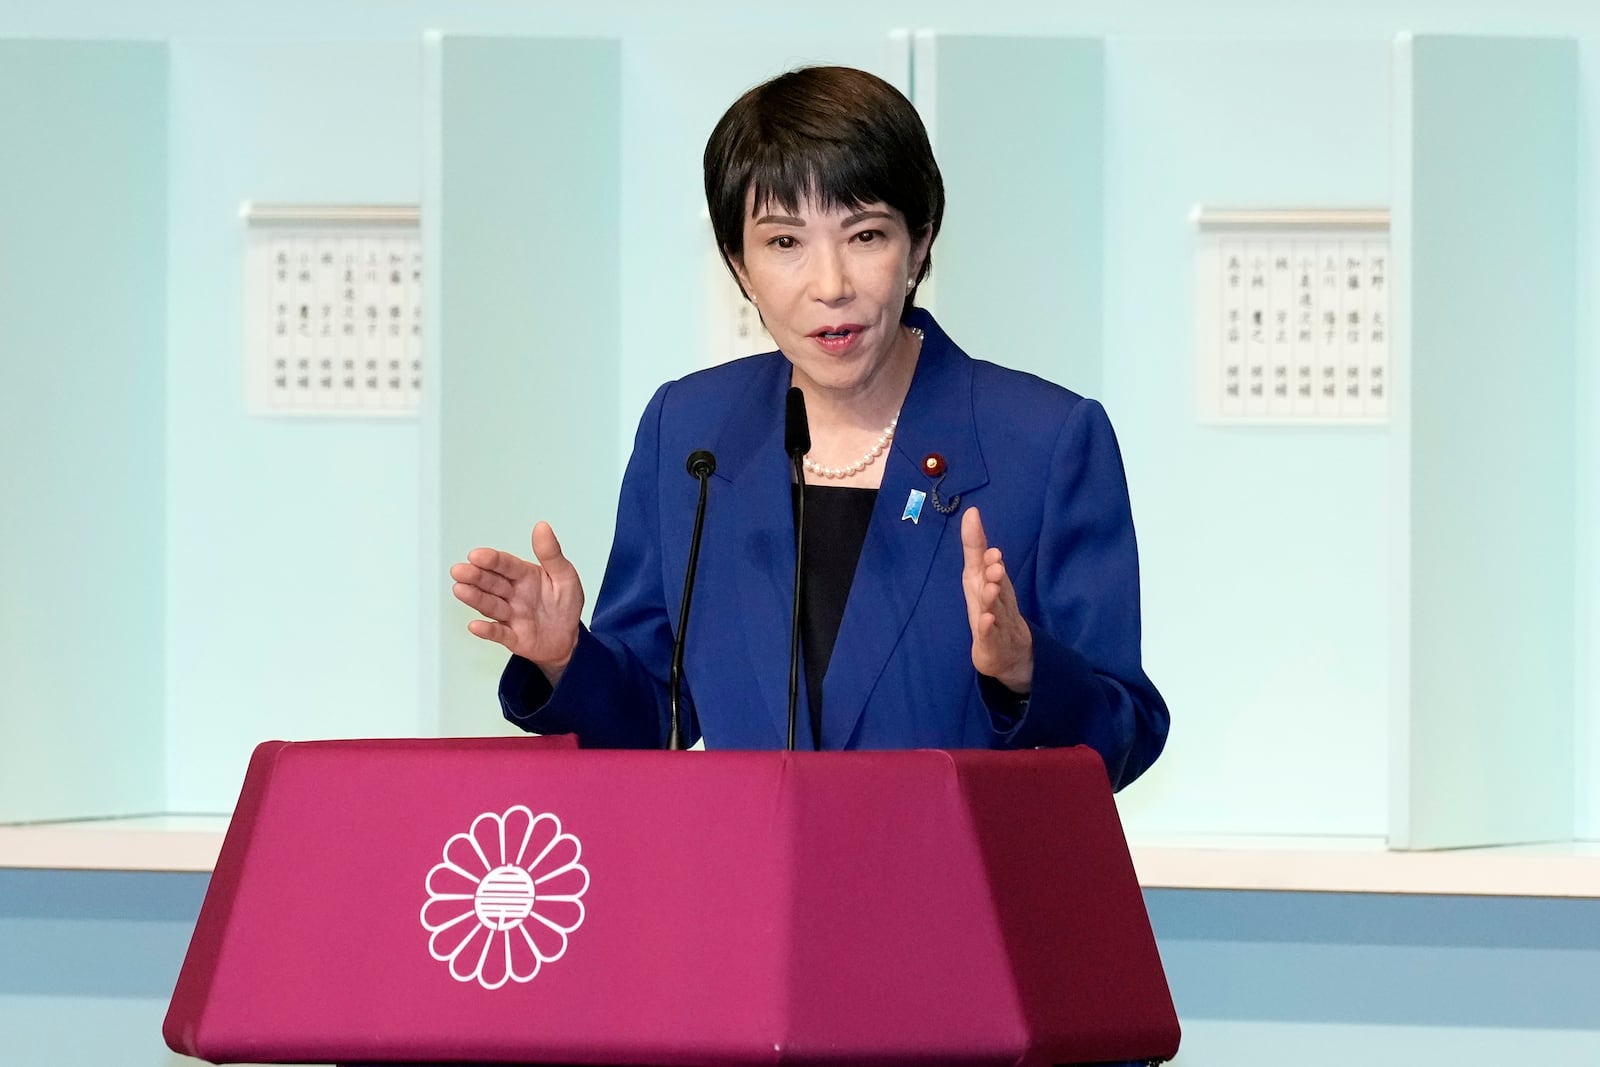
<point>867,237</point>
<point>783,240</point>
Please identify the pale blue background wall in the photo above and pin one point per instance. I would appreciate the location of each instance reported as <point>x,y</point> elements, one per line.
<point>1486,673</point>
<point>524,352</point>
<point>291,549</point>
<point>276,530</point>
<point>280,531</point>
<point>1265,552</point>
<point>82,277</point>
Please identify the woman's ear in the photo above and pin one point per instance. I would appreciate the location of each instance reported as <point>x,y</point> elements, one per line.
<point>919,252</point>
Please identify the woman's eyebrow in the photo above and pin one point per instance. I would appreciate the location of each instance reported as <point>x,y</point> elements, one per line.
<point>862,216</point>
<point>780,220</point>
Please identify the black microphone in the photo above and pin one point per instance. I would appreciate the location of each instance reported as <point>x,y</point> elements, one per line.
<point>701,465</point>
<point>796,442</point>
<point>796,429</point>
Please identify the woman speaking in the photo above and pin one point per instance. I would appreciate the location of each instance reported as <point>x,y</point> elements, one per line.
<point>971,578</point>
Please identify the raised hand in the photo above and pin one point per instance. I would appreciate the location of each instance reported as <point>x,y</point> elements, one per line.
<point>1002,644</point>
<point>533,609</point>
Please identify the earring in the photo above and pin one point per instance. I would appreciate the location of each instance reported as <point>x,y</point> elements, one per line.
<point>911,283</point>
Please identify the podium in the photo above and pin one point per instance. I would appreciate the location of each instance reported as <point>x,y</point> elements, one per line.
<point>521,901</point>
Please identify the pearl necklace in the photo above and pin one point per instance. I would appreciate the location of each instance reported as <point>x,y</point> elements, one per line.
<point>871,454</point>
<point>859,465</point>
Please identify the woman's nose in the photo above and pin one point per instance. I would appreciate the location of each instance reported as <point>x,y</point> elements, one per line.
<point>830,281</point>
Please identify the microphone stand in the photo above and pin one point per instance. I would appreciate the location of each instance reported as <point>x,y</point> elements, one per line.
<point>700,465</point>
<point>796,442</point>
<point>794,621</point>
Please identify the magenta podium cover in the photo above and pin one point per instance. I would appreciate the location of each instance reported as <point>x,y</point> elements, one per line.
<point>516,902</point>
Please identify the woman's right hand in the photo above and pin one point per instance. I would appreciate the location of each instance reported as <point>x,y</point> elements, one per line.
<point>533,609</point>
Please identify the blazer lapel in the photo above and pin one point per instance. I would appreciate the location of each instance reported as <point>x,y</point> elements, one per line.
<point>897,558</point>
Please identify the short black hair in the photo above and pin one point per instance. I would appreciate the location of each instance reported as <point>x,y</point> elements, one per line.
<point>839,136</point>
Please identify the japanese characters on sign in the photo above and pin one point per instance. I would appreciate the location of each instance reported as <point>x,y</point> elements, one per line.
<point>1294,327</point>
<point>337,321</point>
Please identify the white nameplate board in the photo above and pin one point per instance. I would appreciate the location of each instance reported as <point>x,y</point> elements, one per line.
<point>1292,324</point>
<point>335,315</point>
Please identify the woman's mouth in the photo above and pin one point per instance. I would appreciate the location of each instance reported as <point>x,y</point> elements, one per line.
<point>837,338</point>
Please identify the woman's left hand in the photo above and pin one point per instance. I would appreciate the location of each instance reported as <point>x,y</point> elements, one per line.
<point>1002,644</point>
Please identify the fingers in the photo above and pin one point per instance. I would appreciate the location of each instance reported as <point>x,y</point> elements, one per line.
<point>484,603</point>
<point>489,581</point>
<point>533,609</point>
<point>499,633</point>
<point>492,560</point>
<point>983,625</point>
<point>498,572</point>
<point>1002,644</point>
<point>997,587</point>
<point>974,541</point>
<point>548,551</point>
<point>994,595</point>
<point>983,572</point>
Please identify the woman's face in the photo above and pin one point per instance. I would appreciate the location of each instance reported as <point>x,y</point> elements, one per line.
<point>830,285</point>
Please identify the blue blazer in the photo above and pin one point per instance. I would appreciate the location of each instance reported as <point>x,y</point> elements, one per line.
<point>1040,463</point>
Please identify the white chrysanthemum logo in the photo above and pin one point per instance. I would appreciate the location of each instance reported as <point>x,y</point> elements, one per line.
<point>505,898</point>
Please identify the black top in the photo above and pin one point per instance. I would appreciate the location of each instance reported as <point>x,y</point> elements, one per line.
<point>836,520</point>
